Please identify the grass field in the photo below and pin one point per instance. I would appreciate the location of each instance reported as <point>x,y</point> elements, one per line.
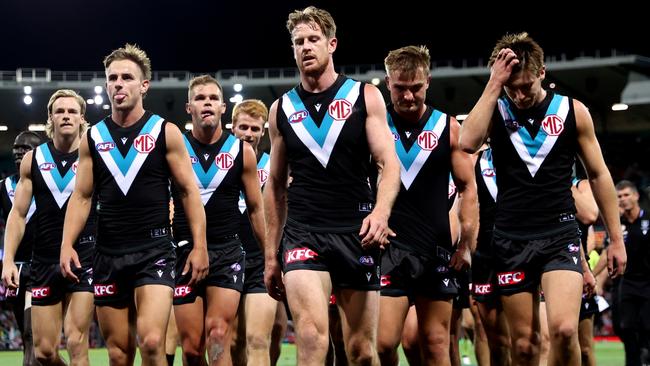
<point>607,354</point>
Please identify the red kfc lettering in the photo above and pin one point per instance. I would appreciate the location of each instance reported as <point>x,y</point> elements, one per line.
<point>510,278</point>
<point>182,291</point>
<point>299,255</point>
<point>40,292</point>
<point>105,290</point>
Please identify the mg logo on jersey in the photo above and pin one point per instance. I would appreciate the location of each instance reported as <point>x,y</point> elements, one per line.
<point>105,146</point>
<point>299,255</point>
<point>340,109</point>
<point>298,117</point>
<point>482,289</point>
<point>224,160</point>
<point>510,278</point>
<point>488,172</point>
<point>105,290</point>
<point>194,159</point>
<point>262,176</point>
<point>40,292</point>
<point>47,166</point>
<point>75,165</point>
<point>427,140</point>
<point>144,143</point>
<point>182,291</point>
<point>553,125</point>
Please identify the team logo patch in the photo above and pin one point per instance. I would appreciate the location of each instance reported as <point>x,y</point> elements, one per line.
<point>427,140</point>
<point>47,166</point>
<point>340,109</point>
<point>298,116</point>
<point>262,176</point>
<point>105,146</point>
<point>395,136</point>
<point>144,143</point>
<point>573,248</point>
<point>224,161</point>
<point>489,172</point>
<point>194,159</point>
<point>366,260</point>
<point>553,125</point>
<point>299,255</point>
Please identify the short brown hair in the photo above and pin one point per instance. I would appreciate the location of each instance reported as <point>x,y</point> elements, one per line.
<point>529,53</point>
<point>626,184</point>
<point>313,14</point>
<point>133,53</point>
<point>253,107</point>
<point>203,80</point>
<point>408,59</point>
<point>65,93</point>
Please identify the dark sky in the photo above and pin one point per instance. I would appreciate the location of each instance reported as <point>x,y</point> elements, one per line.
<point>203,36</point>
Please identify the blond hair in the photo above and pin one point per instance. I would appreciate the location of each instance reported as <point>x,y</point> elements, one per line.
<point>65,93</point>
<point>202,80</point>
<point>133,53</point>
<point>253,107</point>
<point>311,14</point>
<point>408,59</point>
<point>529,53</point>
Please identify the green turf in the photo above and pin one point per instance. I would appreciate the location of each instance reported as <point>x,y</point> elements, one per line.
<point>607,354</point>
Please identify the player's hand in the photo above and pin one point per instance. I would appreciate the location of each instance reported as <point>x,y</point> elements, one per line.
<point>589,283</point>
<point>273,279</point>
<point>461,259</point>
<point>10,276</point>
<point>616,259</point>
<point>67,258</point>
<point>197,261</point>
<point>375,231</point>
<point>501,70</point>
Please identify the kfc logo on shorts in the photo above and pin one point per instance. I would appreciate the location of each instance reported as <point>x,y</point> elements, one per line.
<point>298,117</point>
<point>105,146</point>
<point>144,143</point>
<point>553,125</point>
<point>182,291</point>
<point>384,280</point>
<point>427,140</point>
<point>40,292</point>
<point>340,109</point>
<point>573,248</point>
<point>299,255</point>
<point>510,278</point>
<point>46,167</point>
<point>224,161</point>
<point>483,289</point>
<point>11,292</point>
<point>366,260</point>
<point>105,290</point>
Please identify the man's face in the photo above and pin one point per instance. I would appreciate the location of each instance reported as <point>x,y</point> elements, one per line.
<point>23,144</point>
<point>628,199</point>
<point>205,105</point>
<point>525,88</point>
<point>125,85</point>
<point>248,129</point>
<point>408,90</point>
<point>311,48</point>
<point>66,117</point>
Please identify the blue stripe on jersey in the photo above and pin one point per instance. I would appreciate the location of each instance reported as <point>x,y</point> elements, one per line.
<point>206,177</point>
<point>61,181</point>
<point>319,133</point>
<point>124,163</point>
<point>407,158</point>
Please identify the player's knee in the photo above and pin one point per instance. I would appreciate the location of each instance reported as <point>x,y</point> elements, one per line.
<point>152,343</point>
<point>217,329</point>
<point>361,351</point>
<point>526,348</point>
<point>46,353</point>
<point>258,342</point>
<point>435,346</point>
<point>311,336</point>
<point>564,331</point>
